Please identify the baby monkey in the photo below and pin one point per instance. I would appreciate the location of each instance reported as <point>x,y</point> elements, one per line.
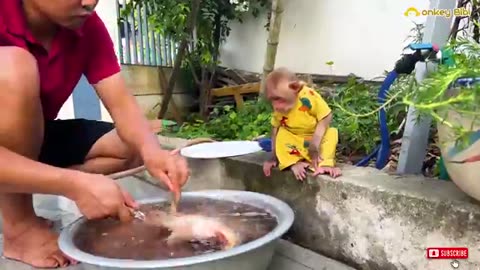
<point>302,138</point>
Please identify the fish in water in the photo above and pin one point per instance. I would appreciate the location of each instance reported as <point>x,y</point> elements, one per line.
<point>188,227</point>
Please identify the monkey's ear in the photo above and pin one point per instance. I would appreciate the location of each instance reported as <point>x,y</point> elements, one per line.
<point>296,85</point>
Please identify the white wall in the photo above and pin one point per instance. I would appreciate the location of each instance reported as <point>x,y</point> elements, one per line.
<point>66,112</point>
<point>107,10</point>
<point>361,37</point>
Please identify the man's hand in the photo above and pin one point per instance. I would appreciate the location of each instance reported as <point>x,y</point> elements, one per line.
<point>98,196</point>
<point>168,167</point>
<point>134,129</point>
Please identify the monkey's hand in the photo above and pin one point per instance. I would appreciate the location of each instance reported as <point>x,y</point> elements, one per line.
<point>314,153</point>
<point>268,166</point>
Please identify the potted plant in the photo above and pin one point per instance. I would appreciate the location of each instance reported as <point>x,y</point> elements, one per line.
<point>451,95</point>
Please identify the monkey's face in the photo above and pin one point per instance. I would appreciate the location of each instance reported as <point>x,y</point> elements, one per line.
<point>283,95</point>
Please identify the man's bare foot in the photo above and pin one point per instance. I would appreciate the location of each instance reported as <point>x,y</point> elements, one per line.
<point>332,171</point>
<point>300,170</point>
<point>33,243</point>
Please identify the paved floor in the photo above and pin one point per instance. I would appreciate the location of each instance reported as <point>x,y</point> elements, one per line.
<point>292,257</point>
<point>287,256</point>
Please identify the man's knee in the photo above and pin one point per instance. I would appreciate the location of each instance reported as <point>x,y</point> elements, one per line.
<point>21,129</point>
<point>127,158</point>
<point>18,73</point>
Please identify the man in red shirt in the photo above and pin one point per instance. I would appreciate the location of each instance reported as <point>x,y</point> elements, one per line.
<point>45,47</point>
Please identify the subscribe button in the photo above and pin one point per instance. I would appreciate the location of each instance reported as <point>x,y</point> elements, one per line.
<point>447,253</point>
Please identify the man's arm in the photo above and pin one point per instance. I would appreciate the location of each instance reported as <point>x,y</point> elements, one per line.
<point>103,72</point>
<point>132,127</point>
<point>24,175</point>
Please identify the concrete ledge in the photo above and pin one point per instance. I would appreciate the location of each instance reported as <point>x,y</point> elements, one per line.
<point>369,219</point>
<point>366,218</point>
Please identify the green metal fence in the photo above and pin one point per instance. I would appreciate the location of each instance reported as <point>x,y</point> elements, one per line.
<point>138,43</point>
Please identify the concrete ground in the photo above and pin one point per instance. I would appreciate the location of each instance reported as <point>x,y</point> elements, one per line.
<point>292,257</point>
<point>287,257</point>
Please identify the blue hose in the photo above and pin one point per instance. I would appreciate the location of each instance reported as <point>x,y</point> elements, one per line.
<point>383,150</point>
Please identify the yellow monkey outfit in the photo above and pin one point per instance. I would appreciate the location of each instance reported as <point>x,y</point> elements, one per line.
<point>296,128</point>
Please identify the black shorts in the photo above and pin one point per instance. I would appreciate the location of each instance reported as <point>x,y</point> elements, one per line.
<point>67,142</point>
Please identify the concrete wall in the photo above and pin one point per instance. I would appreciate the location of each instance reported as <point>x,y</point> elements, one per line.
<point>361,37</point>
<point>145,83</point>
<point>366,218</point>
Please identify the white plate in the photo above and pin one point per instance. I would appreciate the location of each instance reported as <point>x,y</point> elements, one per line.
<point>220,149</point>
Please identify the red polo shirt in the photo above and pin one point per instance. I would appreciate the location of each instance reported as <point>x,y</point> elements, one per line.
<point>88,50</point>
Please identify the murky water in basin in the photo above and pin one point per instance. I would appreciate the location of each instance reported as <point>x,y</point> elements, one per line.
<point>137,240</point>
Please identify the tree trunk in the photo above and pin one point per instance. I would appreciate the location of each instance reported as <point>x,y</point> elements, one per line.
<point>204,93</point>
<point>163,84</point>
<point>273,39</point>
<point>179,58</point>
<point>208,74</point>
